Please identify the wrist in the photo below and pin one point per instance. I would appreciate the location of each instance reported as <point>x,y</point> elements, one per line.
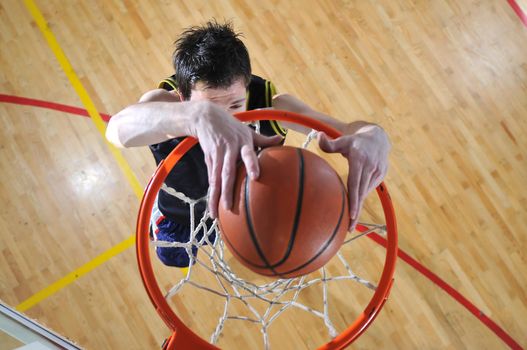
<point>359,126</point>
<point>194,116</point>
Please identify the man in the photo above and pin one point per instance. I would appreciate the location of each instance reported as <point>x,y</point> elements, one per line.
<point>212,81</point>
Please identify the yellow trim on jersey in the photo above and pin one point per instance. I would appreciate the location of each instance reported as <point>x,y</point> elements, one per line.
<point>278,129</point>
<point>270,91</point>
<point>247,100</point>
<point>273,90</point>
<point>267,88</point>
<point>168,81</point>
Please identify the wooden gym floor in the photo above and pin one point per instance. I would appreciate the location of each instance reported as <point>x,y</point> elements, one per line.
<point>446,79</point>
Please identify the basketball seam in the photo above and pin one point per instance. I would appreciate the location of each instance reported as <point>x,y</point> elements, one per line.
<point>282,274</point>
<point>327,242</point>
<point>294,230</point>
<point>252,232</point>
<point>299,201</point>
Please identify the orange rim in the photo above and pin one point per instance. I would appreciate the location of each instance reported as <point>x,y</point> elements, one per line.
<point>184,337</point>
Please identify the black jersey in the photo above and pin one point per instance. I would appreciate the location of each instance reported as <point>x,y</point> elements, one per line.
<point>189,176</point>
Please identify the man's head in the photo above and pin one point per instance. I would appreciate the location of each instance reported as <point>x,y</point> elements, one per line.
<point>211,59</point>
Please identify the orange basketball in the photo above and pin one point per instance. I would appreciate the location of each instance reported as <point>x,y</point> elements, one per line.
<point>292,219</point>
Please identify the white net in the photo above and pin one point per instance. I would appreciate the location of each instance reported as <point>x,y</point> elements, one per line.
<point>277,296</point>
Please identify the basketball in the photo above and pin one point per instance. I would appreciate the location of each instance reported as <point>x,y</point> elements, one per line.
<point>292,219</point>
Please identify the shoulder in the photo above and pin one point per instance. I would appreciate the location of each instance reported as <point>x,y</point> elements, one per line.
<point>166,92</point>
<point>261,83</point>
<point>260,93</point>
<point>159,95</point>
<point>169,83</point>
<point>256,80</point>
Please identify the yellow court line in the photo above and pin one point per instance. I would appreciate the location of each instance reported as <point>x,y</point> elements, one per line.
<point>82,93</point>
<point>72,276</point>
<point>101,127</point>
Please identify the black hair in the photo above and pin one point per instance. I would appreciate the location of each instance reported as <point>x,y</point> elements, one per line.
<point>213,54</point>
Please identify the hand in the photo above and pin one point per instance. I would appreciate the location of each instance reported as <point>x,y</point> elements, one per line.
<point>366,149</point>
<point>223,140</point>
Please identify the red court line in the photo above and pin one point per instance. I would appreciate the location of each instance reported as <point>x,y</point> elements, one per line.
<point>49,105</point>
<point>452,292</point>
<point>467,304</point>
<point>519,11</point>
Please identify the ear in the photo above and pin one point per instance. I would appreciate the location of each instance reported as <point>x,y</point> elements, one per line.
<point>179,95</point>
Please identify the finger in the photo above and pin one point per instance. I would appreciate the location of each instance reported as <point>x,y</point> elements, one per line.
<point>330,145</point>
<point>325,143</point>
<point>208,163</point>
<point>353,223</point>
<point>384,172</point>
<point>215,183</point>
<point>366,182</point>
<point>228,175</point>
<point>376,179</point>
<point>266,141</point>
<point>250,160</point>
<point>353,191</point>
<point>364,188</point>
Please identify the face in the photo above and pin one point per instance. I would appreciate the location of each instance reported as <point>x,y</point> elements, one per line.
<point>232,98</point>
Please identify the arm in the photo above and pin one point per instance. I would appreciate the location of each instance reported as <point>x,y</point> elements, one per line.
<point>152,120</point>
<point>286,102</point>
<point>365,145</point>
<point>159,116</point>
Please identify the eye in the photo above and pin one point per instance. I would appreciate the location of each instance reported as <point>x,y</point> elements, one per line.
<point>236,106</point>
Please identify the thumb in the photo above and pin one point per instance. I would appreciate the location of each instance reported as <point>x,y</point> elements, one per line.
<point>326,144</point>
<point>266,141</point>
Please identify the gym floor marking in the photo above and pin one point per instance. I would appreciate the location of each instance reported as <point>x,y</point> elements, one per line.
<point>99,260</point>
<point>99,122</point>
<point>101,127</point>
<point>519,10</point>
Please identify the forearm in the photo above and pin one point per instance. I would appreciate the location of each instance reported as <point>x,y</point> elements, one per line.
<point>290,103</point>
<point>148,123</point>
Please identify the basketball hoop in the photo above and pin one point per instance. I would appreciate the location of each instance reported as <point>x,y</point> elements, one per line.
<point>185,338</point>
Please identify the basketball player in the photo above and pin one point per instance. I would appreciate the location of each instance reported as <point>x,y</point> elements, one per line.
<point>212,81</point>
